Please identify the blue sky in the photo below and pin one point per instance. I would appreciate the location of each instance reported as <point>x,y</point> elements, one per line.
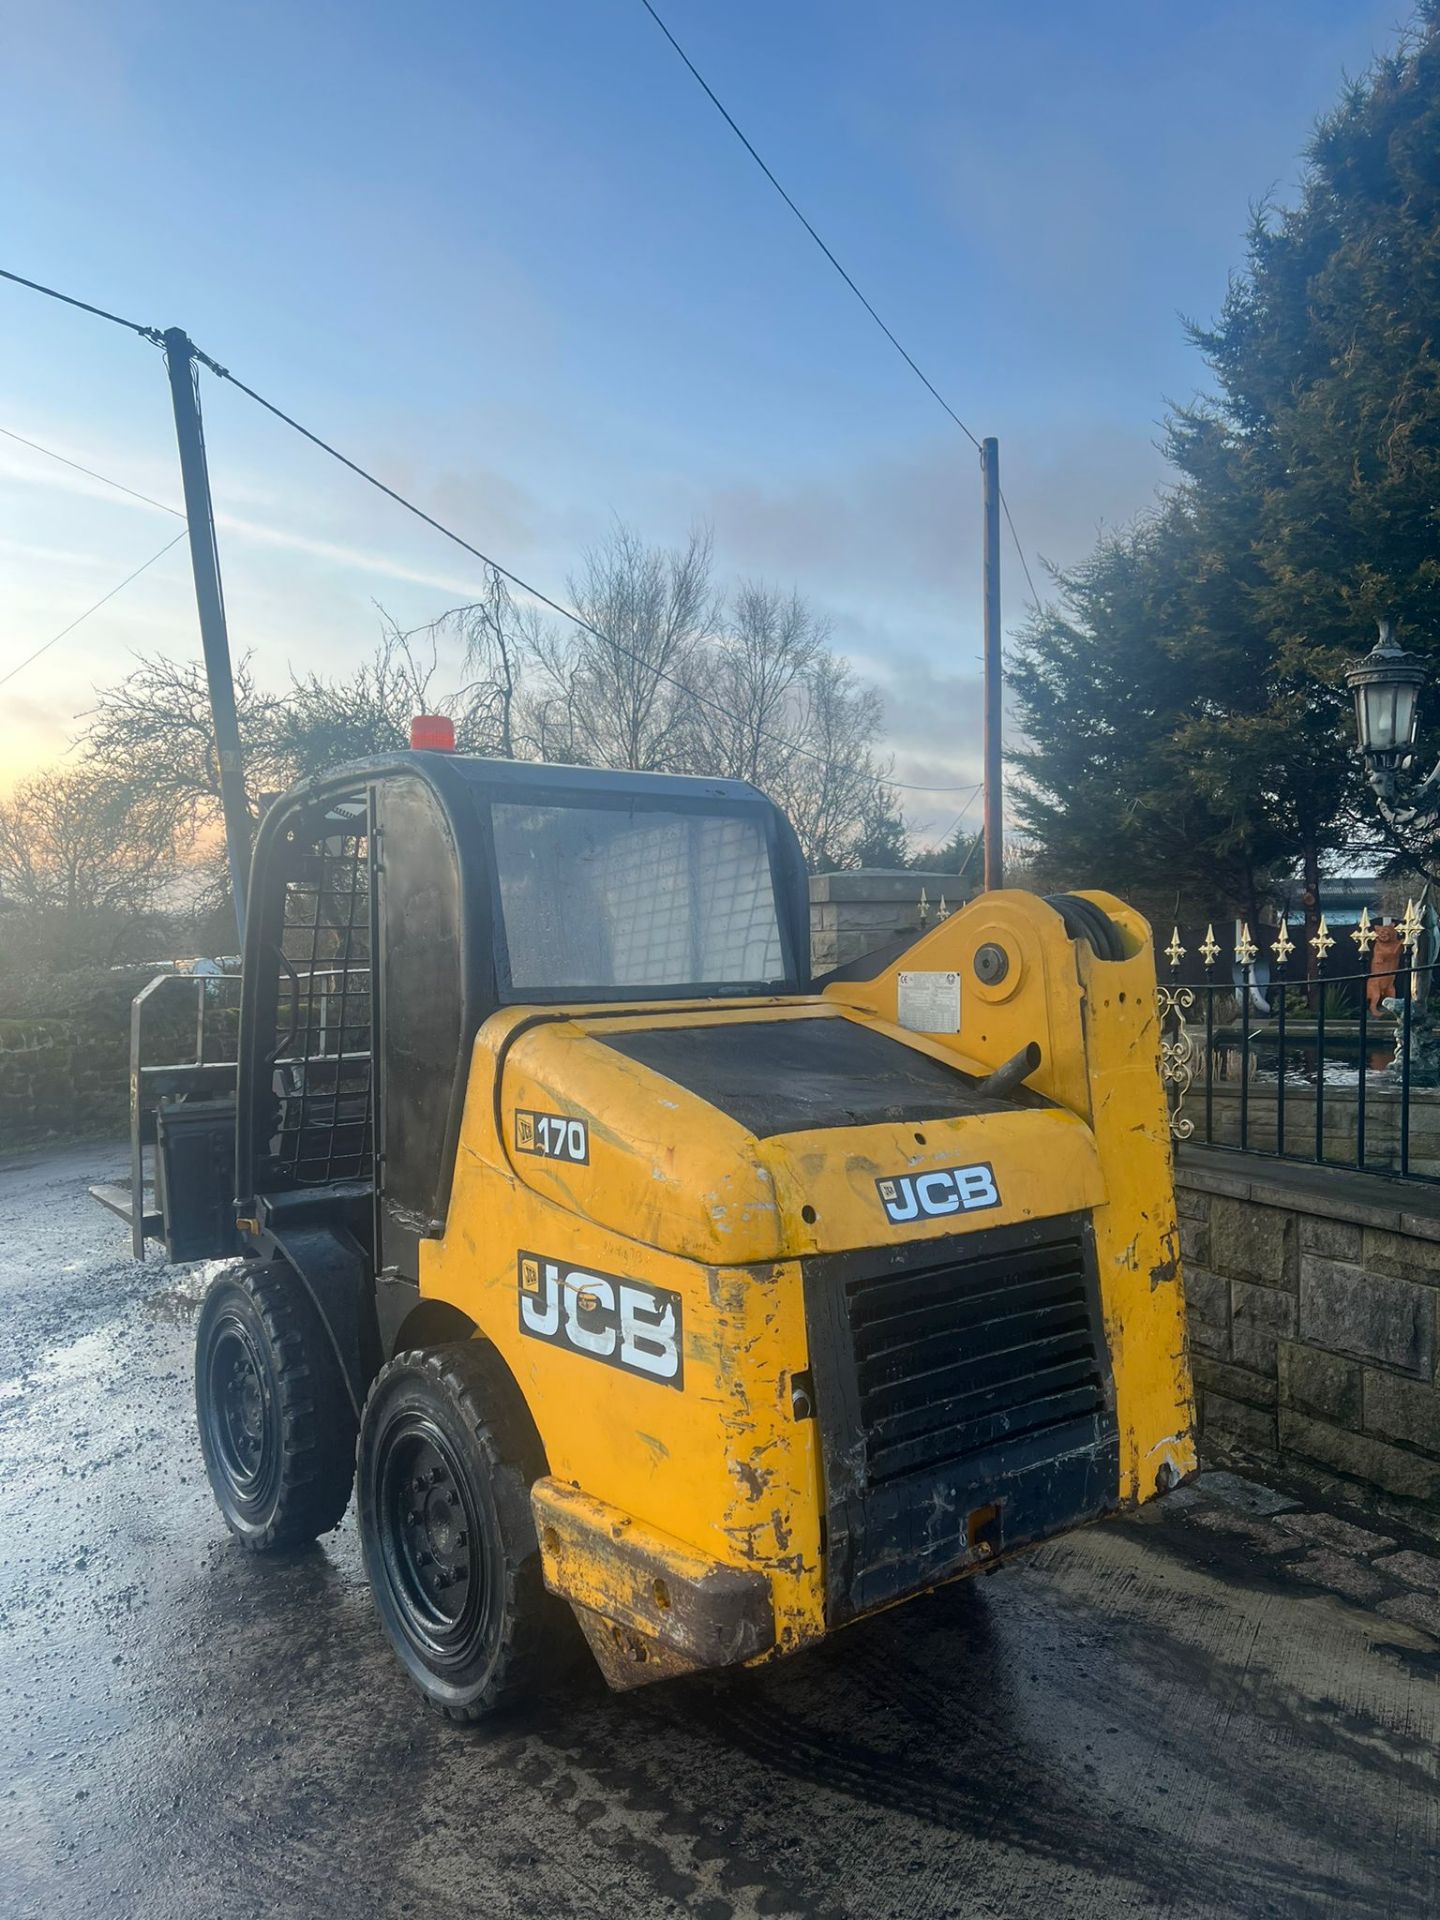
<point>507,254</point>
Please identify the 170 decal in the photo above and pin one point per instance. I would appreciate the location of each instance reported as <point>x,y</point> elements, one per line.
<point>929,1196</point>
<point>552,1135</point>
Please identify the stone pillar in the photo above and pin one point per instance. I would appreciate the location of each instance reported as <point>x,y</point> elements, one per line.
<point>853,913</point>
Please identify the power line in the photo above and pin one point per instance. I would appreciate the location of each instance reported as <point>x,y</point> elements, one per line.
<point>954,826</point>
<point>904,354</point>
<point>146,333</point>
<point>6,677</point>
<point>977,840</point>
<point>118,486</point>
<point>566,613</point>
<point>729,120</point>
<point>1020,551</point>
<point>515,579</point>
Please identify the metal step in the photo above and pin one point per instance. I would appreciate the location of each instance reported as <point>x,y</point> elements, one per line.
<point>118,1199</point>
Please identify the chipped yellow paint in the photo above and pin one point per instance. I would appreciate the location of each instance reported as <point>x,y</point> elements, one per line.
<point>1098,1031</point>
<point>721,1466</point>
<point>679,1195</point>
<point>1137,1235</point>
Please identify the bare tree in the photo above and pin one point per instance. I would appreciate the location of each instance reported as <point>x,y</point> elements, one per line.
<point>152,735</point>
<point>151,739</point>
<point>746,689</point>
<point>619,690</point>
<point>833,788</point>
<point>660,676</point>
<point>671,681</point>
<point>324,721</point>
<point>775,706</point>
<point>83,862</point>
<point>496,637</point>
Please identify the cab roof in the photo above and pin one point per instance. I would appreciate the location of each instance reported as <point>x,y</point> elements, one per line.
<point>442,770</point>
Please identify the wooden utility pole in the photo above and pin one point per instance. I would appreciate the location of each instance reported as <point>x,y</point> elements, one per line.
<point>214,639</point>
<point>994,678</point>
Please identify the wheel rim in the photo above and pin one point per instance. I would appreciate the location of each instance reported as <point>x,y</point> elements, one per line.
<point>241,1417</point>
<point>431,1538</point>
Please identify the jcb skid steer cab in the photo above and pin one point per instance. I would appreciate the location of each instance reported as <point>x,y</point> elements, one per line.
<point>660,1288</point>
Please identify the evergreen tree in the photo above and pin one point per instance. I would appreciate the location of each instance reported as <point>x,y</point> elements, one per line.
<point>962,853</point>
<point>1182,698</point>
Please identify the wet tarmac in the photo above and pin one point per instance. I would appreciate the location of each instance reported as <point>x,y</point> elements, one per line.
<point>1160,1717</point>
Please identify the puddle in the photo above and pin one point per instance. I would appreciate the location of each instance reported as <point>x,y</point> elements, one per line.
<point>179,1303</point>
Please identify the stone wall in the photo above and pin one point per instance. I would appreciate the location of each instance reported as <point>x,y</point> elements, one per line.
<point>59,1076</point>
<point>1314,1301</point>
<point>853,913</point>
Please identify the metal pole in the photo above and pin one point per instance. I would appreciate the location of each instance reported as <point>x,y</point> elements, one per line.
<point>994,682</point>
<point>205,562</point>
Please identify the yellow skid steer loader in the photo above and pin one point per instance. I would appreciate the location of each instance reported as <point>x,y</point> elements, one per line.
<point>626,1272</point>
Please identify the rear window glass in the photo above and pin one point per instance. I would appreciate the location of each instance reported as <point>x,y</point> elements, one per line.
<point>605,898</point>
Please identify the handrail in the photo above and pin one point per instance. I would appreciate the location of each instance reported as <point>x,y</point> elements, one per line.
<point>202,984</point>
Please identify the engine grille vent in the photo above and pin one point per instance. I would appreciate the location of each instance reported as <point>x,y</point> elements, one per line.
<point>953,1360</point>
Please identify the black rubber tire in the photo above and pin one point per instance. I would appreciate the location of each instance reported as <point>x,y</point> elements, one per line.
<point>276,1425</point>
<point>447,1457</point>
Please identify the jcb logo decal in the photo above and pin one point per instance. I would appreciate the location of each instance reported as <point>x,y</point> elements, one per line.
<point>624,1323</point>
<point>926,1196</point>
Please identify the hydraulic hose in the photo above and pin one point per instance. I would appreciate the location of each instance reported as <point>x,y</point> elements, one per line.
<point>1085,921</point>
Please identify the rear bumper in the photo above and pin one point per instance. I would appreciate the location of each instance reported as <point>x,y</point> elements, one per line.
<point>650,1606</point>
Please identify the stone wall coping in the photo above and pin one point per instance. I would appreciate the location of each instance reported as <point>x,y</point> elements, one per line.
<point>903,887</point>
<point>1331,1193</point>
<point>1264,1096</point>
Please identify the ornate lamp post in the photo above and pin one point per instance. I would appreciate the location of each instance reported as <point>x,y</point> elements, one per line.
<point>1386,685</point>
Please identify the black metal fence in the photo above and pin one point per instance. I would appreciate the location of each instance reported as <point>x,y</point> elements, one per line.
<point>1332,1070</point>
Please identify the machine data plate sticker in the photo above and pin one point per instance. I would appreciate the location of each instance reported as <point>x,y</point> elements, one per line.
<point>624,1323</point>
<point>552,1136</point>
<point>930,1002</point>
<point>926,1196</point>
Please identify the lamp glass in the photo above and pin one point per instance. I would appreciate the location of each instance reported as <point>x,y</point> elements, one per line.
<point>1379,703</point>
<point>1407,712</point>
<point>1386,712</point>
